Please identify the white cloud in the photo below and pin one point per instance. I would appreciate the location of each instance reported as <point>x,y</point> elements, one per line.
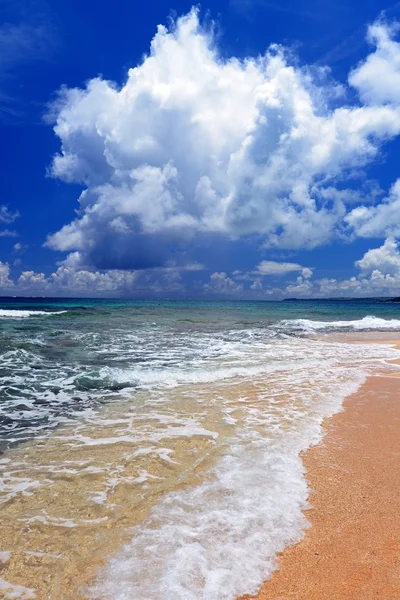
<point>194,144</point>
<point>6,215</point>
<point>8,233</point>
<point>73,282</point>
<point>377,284</point>
<point>220,283</point>
<point>69,281</point>
<point>380,220</point>
<point>368,191</point>
<point>386,259</point>
<point>271,267</point>
<point>31,281</point>
<point>256,286</point>
<point>18,248</point>
<point>5,281</point>
<point>306,272</point>
<point>379,276</point>
<point>377,79</point>
<point>302,288</point>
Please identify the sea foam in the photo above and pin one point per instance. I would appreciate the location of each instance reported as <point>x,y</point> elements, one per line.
<point>219,540</point>
<point>6,313</point>
<point>366,324</point>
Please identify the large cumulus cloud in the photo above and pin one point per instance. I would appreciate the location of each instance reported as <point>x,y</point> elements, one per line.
<point>196,145</point>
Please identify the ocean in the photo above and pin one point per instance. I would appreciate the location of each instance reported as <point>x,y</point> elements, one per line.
<point>150,450</point>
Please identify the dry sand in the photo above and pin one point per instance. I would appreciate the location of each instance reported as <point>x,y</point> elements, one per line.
<point>352,551</point>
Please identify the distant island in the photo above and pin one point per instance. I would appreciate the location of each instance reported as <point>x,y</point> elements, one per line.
<point>342,299</point>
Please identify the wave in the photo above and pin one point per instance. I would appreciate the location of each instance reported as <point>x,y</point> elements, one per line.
<point>366,324</point>
<point>6,313</point>
<point>219,540</point>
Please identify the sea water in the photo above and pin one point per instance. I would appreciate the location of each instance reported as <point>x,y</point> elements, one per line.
<point>151,449</point>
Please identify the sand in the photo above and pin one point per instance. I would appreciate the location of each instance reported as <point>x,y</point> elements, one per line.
<point>352,551</point>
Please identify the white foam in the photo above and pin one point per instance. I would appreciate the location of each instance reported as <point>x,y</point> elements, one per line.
<point>47,519</point>
<point>5,556</point>
<point>43,554</point>
<point>219,540</point>
<point>367,323</point>
<point>6,313</point>
<point>12,486</point>
<point>187,429</point>
<point>11,591</point>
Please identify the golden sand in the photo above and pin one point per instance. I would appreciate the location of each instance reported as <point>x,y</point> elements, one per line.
<point>352,551</point>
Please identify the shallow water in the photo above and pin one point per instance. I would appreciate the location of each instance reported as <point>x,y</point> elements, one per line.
<point>156,455</point>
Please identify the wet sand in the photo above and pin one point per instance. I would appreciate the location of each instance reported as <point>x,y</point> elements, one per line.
<point>69,501</point>
<point>352,551</point>
<point>81,499</point>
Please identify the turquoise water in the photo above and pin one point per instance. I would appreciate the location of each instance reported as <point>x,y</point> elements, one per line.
<point>305,309</point>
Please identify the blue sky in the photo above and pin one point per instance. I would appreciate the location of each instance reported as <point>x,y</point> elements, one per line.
<point>251,152</point>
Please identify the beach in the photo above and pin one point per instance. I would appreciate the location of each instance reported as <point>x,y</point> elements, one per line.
<point>352,551</point>
<point>199,300</point>
<point>158,452</point>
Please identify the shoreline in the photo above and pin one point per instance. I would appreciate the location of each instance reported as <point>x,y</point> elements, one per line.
<point>352,551</point>
<point>43,554</point>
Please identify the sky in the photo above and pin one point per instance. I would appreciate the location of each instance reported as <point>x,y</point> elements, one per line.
<point>233,149</point>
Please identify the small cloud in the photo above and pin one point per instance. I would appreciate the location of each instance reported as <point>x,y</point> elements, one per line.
<point>195,266</point>
<point>6,216</point>
<point>306,273</point>
<point>220,283</point>
<point>18,248</point>
<point>172,266</point>
<point>256,286</point>
<point>271,267</point>
<point>8,233</point>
